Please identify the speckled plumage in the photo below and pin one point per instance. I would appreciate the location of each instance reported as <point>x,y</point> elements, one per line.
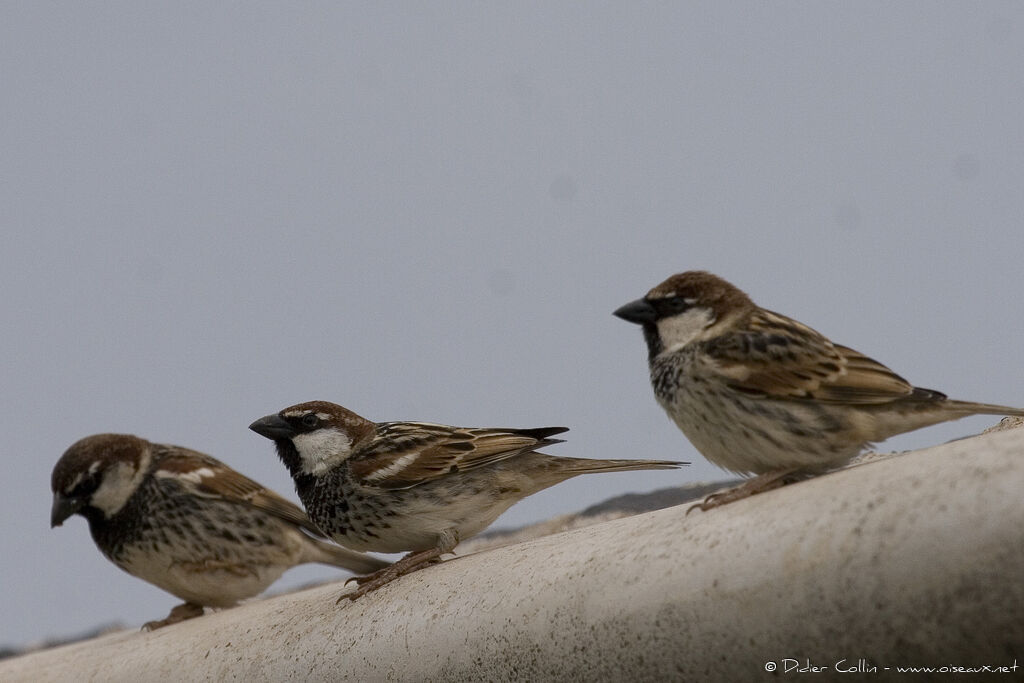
<point>185,522</point>
<point>414,486</point>
<point>757,392</point>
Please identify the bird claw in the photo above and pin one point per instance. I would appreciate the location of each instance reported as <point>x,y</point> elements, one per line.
<point>704,505</point>
<point>370,584</point>
<point>188,610</point>
<point>412,562</point>
<point>718,499</point>
<point>360,580</point>
<point>759,484</point>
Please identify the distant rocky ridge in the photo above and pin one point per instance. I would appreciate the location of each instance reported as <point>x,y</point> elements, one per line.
<point>14,650</point>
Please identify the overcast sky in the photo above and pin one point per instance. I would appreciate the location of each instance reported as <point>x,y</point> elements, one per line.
<point>212,211</point>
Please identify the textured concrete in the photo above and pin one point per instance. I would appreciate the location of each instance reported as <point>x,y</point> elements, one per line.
<point>911,560</point>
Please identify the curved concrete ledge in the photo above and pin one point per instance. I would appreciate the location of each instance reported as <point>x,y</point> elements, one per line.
<point>916,560</point>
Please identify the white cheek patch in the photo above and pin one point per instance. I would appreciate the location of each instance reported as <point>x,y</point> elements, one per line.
<point>119,483</point>
<point>679,330</point>
<point>322,449</point>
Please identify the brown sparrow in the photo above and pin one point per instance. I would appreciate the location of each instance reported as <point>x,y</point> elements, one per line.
<point>187,523</point>
<point>759,393</point>
<point>414,486</point>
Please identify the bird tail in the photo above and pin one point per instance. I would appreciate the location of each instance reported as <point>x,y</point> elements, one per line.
<point>537,471</point>
<point>970,408</point>
<point>587,465</point>
<point>335,555</point>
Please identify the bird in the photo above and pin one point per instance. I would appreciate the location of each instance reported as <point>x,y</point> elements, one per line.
<point>186,522</point>
<point>758,393</point>
<point>415,487</point>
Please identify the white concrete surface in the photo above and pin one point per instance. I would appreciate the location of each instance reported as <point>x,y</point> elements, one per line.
<point>915,560</point>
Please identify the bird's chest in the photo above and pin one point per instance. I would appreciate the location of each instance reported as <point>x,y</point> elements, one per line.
<point>126,529</point>
<point>349,513</point>
<point>151,530</point>
<point>747,433</point>
<point>702,407</point>
<point>336,506</point>
<point>380,520</point>
<point>678,380</point>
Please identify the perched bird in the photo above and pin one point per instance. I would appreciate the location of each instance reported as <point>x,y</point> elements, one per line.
<point>414,486</point>
<point>759,393</point>
<point>186,522</point>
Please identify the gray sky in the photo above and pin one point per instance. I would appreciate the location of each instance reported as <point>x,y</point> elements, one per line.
<point>217,210</point>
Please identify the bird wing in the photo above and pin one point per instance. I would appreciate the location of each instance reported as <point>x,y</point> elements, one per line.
<point>778,357</point>
<point>406,454</point>
<point>211,478</point>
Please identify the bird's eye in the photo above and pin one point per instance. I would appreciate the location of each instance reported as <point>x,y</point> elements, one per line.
<point>310,420</point>
<point>87,486</point>
<point>673,305</point>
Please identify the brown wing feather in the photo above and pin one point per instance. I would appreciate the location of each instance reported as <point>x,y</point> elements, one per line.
<point>866,381</point>
<point>406,454</point>
<point>778,357</point>
<point>229,485</point>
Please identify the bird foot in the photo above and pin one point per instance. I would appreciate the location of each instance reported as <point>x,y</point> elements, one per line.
<point>407,565</point>
<point>188,610</point>
<point>759,484</point>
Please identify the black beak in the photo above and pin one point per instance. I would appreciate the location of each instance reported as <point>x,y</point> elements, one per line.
<point>639,312</point>
<point>273,427</point>
<point>64,507</point>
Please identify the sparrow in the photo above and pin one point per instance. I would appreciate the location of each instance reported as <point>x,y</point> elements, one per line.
<point>414,486</point>
<point>759,393</point>
<point>186,522</point>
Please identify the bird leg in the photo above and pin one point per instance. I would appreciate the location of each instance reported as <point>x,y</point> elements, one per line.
<point>412,562</point>
<point>188,610</point>
<point>759,484</point>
